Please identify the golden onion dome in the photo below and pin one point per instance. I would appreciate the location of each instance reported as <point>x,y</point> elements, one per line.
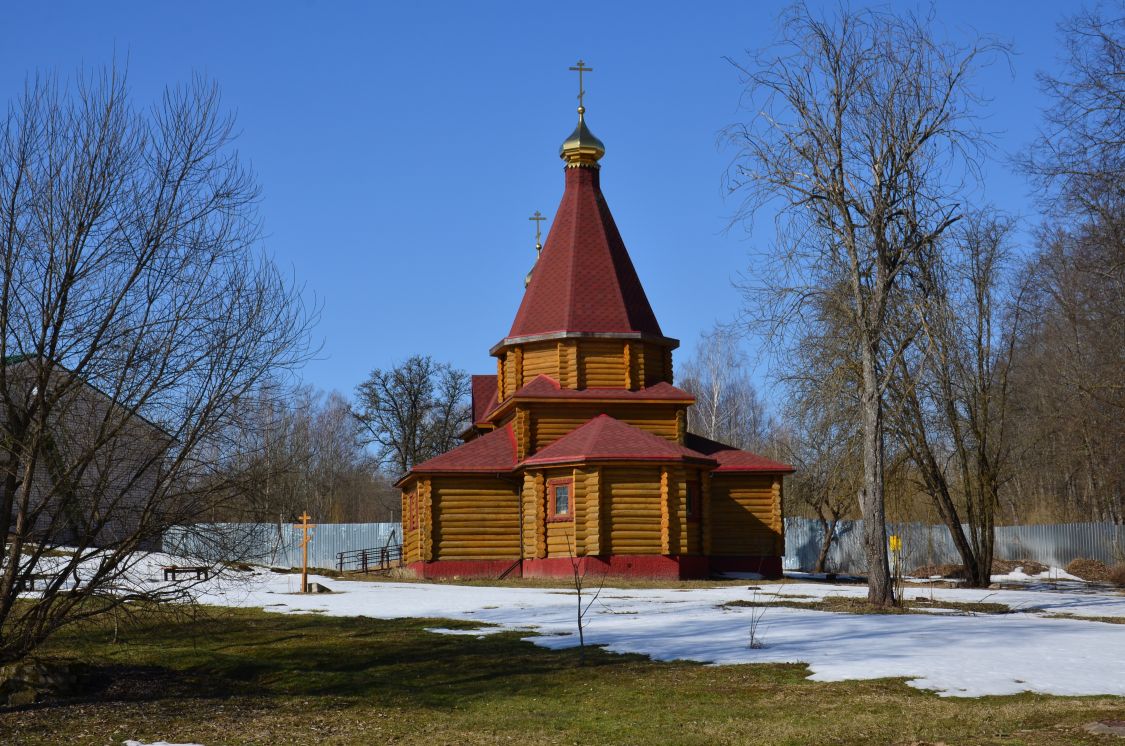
<point>581,148</point>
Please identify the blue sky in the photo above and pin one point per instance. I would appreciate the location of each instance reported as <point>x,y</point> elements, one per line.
<point>402,146</point>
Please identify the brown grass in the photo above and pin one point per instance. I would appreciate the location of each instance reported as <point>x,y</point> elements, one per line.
<point>858,605</point>
<point>1089,569</point>
<point>999,567</point>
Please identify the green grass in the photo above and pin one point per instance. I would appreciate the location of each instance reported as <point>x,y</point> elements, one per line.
<point>247,676</point>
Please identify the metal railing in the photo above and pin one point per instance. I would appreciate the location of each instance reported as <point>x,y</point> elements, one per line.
<point>376,559</point>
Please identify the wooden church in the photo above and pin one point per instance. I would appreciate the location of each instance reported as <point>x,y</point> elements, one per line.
<point>579,450</point>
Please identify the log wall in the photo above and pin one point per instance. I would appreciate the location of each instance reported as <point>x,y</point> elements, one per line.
<point>584,363</point>
<point>631,510</point>
<point>410,532</point>
<point>425,520</point>
<point>592,512</point>
<point>601,363</point>
<point>654,365</point>
<point>567,352</point>
<point>549,422</point>
<point>745,514</point>
<point>474,518</point>
<point>541,358</point>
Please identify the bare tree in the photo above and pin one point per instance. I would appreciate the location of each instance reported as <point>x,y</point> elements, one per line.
<point>859,121</point>
<point>413,411</point>
<point>727,406</point>
<point>1079,158</point>
<point>135,311</point>
<point>304,453</point>
<point>822,444</point>
<point>953,403</point>
<point>1070,395</point>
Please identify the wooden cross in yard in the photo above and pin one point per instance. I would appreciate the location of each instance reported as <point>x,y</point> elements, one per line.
<point>306,537</point>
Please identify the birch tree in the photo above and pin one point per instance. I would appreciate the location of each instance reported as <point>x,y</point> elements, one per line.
<point>727,406</point>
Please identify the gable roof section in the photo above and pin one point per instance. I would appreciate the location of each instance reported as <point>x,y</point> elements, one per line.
<point>545,387</point>
<point>733,459</point>
<point>484,396</point>
<point>607,439</point>
<point>492,452</point>
<point>584,280</point>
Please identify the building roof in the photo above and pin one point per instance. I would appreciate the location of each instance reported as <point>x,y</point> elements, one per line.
<point>484,396</point>
<point>733,459</point>
<point>605,438</point>
<point>492,452</point>
<point>584,280</point>
<point>545,387</point>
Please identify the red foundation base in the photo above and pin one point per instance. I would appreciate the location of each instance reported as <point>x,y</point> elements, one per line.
<point>464,569</point>
<point>656,566</point>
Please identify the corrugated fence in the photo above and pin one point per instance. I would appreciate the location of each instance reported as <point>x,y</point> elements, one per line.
<point>1053,544</point>
<point>279,544</point>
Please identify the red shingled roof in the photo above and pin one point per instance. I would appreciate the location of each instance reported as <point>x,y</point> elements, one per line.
<point>733,459</point>
<point>545,387</point>
<point>484,396</point>
<point>584,280</point>
<point>606,438</point>
<point>494,451</point>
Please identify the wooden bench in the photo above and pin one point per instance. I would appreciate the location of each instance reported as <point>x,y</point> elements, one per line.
<point>171,571</point>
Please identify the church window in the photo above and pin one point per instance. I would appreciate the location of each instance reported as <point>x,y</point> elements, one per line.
<point>559,494</point>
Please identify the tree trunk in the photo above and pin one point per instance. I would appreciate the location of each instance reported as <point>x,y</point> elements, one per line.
<point>880,592</point>
<point>829,528</point>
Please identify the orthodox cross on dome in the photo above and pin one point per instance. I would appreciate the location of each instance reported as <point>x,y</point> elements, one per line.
<point>538,218</point>
<point>581,68</point>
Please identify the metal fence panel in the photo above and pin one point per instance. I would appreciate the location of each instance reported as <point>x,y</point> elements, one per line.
<point>277,544</point>
<point>1053,544</point>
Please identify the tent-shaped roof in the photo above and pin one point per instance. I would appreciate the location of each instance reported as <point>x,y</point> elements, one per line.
<point>484,395</point>
<point>493,452</point>
<point>607,439</point>
<point>734,459</point>
<point>584,280</point>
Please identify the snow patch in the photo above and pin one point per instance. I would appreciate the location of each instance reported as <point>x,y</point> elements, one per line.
<point>949,652</point>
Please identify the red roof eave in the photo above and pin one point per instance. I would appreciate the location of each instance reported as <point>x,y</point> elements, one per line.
<point>589,459</point>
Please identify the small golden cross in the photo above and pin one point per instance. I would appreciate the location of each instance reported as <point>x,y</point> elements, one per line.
<point>538,218</point>
<point>581,68</point>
